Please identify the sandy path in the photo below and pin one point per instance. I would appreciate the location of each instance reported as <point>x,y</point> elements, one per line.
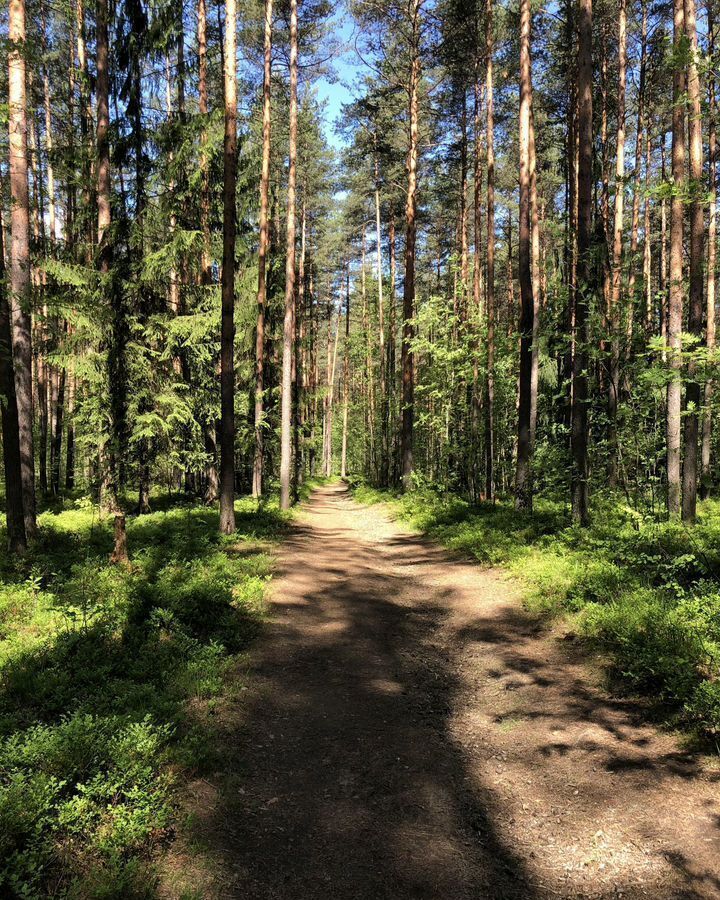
<point>410,733</point>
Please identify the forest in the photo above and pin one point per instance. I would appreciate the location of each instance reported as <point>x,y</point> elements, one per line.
<point>287,286</point>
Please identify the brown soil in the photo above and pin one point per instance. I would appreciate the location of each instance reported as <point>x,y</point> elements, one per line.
<point>409,732</point>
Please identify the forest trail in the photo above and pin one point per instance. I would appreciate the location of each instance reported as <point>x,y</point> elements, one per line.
<point>409,732</point>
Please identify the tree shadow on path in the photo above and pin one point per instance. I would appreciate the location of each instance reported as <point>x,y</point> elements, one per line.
<point>344,778</point>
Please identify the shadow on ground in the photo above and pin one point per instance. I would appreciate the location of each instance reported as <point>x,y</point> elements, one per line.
<point>344,777</point>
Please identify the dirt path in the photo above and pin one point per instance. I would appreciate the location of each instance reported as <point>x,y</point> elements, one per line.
<point>410,733</point>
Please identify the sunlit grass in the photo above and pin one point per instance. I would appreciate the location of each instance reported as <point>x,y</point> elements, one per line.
<point>646,591</point>
<point>102,670</point>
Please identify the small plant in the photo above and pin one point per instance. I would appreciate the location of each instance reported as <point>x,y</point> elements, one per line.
<point>646,591</point>
<point>100,666</point>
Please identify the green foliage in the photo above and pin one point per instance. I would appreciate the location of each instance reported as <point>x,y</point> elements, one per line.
<point>102,672</point>
<point>645,592</point>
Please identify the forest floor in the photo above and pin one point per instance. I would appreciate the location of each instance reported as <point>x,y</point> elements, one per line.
<point>409,731</point>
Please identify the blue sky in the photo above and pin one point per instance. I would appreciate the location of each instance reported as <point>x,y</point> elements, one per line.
<point>347,67</point>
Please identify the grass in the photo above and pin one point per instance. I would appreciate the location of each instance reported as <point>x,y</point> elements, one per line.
<point>645,592</point>
<point>104,676</point>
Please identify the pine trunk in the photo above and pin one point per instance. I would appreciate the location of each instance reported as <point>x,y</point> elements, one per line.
<point>579,420</point>
<point>257,488</point>
<point>17,542</point>
<point>408,375</point>
<point>706,471</point>
<point>675,307</point>
<point>116,351</point>
<point>490,259</point>
<point>523,472</point>
<point>289,321</point>
<point>693,393</point>
<point>227,334</point>
<point>20,296</point>
<point>617,254</point>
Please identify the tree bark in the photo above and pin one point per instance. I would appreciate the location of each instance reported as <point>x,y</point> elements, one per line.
<point>706,471</point>
<point>57,434</point>
<point>227,335</point>
<point>490,257</point>
<point>617,255</point>
<point>70,443</point>
<point>20,297</point>
<point>408,375</point>
<point>289,321</point>
<point>298,342</point>
<point>205,273</point>
<point>635,226</point>
<point>675,307</point>
<point>579,423</point>
<point>477,197</point>
<point>523,472</point>
<point>262,254</point>
<point>536,281</point>
<point>116,351</point>
<point>384,448</point>
<point>17,542</point>
<point>346,377</point>
<point>697,247</point>
<point>49,164</point>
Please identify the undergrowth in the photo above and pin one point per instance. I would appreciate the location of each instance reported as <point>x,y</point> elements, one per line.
<point>104,676</point>
<point>644,591</point>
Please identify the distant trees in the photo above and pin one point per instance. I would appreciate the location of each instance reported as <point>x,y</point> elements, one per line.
<point>494,312</point>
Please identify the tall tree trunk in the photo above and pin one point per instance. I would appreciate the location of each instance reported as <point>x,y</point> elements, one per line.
<point>464,256</point>
<point>89,235</point>
<point>675,307</point>
<point>20,297</point>
<point>70,443</point>
<point>617,255</point>
<point>639,138</point>
<point>288,325</point>
<point>566,360</point>
<point>57,435</point>
<point>523,473</point>
<point>346,377</point>
<point>408,375</point>
<point>369,372</point>
<point>579,426</point>
<point>212,482</point>
<point>205,274</point>
<point>477,194</point>
<point>536,280</point>
<point>262,256</point>
<point>174,289</point>
<point>706,471</point>
<point>331,396</point>
<point>663,277</point>
<point>17,542</point>
<point>391,349</point>
<point>384,448</point>
<point>647,245</point>
<point>42,369</point>
<point>490,276</point>
<point>49,165</point>
<point>697,247</point>
<point>116,350</point>
<point>298,342</point>
<point>227,336</point>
